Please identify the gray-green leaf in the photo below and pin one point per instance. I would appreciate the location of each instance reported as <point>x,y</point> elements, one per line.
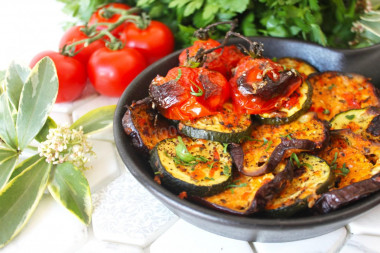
<point>15,78</point>
<point>20,197</point>
<point>49,124</point>
<point>96,120</point>
<point>8,159</point>
<point>7,126</point>
<point>70,188</point>
<point>37,99</point>
<point>20,167</point>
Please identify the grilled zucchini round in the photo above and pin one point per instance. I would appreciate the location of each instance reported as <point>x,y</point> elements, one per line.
<point>313,176</point>
<point>197,167</point>
<point>286,115</point>
<point>225,127</point>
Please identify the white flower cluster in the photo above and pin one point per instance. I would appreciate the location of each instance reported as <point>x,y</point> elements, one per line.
<point>66,145</point>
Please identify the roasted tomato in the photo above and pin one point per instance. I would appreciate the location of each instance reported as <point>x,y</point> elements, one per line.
<point>188,93</point>
<point>221,60</point>
<point>260,85</point>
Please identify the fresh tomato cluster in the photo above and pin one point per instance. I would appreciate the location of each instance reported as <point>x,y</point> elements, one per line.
<point>110,51</point>
<point>210,74</point>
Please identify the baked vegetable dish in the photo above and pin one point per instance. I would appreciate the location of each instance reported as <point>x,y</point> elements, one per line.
<point>235,131</point>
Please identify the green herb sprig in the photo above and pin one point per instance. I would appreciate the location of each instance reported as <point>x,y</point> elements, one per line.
<point>26,99</point>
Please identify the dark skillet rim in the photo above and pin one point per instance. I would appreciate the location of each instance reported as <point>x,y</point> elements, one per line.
<point>173,202</point>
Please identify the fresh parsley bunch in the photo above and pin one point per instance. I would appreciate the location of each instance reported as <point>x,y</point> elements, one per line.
<point>335,23</point>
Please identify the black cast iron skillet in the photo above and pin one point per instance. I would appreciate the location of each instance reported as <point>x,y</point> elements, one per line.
<point>364,61</point>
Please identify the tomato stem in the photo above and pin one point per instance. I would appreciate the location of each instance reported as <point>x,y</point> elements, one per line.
<point>255,48</point>
<point>125,15</point>
<point>203,33</point>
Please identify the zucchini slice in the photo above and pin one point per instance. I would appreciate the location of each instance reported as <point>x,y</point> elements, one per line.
<point>197,167</point>
<point>225,127</point>
<point>145,126</point>
<point>247,195</point>
<point>303,67</point>
<point>353,158</point>
<point>313,176</point>
<point>270,144</point>
<point>335,92</point>
<point>292,110</point>
<point>364,121</point>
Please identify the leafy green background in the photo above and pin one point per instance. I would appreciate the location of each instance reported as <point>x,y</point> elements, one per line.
<point>327,22</point>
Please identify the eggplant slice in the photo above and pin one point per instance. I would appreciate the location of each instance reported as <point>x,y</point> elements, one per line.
<point>364,121</point>
<point>270,144</point>
<point>356,164</point>
<point>335,92</point>
<point>248,195</point>
<point>145,126</point>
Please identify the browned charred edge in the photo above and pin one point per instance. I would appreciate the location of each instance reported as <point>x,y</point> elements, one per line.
<point>268,191</point>
<point>263,195</point>
<point>237,155</point>
<point>130,129</point>
<point>335,199</point>
<point>167,94</point>
<point>278,154</point>
<point>374,127</point>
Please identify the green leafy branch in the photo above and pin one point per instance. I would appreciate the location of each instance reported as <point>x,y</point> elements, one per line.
<point>26,99</point>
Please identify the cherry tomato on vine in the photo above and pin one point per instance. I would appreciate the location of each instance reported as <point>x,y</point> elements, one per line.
<point>154,42</point>
<point>100,16</point>
<point>222,60</point>
<point>187,93</point>
<point>71,75</point>
<point>74,34</point>
<point>111,71</point>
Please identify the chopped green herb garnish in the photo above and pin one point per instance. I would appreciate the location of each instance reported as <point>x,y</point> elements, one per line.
<point>332,86</point>
<point>184,157</point>
<point>344,170</point>
<point>326,111</point>
<point>288,136</point>
<point>157,173</point>
<point>211,165</point>
<point>225,146</point>
<point>350,117</point>
<point>194,93</point>
<point>226,170</point>
<point>307,165</point>
<point>269,145</point>
<point>179,75</point>
<point>237,185</point>
<point>209,178</point>
<point>360,88</point>
<point>294,157</point>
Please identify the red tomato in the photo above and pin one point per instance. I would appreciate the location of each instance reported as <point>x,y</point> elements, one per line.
<point>154,42</point>
<point>221,60</point>
<point>111,71</point>
<point>253,74</point>
<point>84,52</point>
<point>188,93</point>
<point>98,17</point>
<point>71,75</point>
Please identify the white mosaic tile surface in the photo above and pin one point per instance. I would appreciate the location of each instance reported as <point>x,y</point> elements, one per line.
<point>330,242</point>
<point>368,224</point>
<point>126,212</point>
<point>186,238</point>
<point>361,244</point>
<point>104,167</point>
